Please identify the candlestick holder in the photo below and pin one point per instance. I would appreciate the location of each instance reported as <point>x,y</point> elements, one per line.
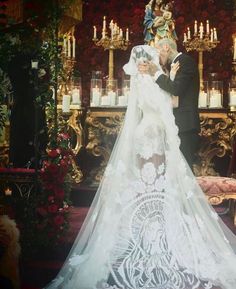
<point>113,42</point>
<point>201,42</point>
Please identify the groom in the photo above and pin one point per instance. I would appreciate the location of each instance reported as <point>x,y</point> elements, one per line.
<point>185,85</point>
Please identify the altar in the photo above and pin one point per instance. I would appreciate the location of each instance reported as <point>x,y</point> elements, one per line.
<point>102,125</point>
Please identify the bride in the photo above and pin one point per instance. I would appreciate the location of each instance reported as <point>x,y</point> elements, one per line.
<point>149,226</point>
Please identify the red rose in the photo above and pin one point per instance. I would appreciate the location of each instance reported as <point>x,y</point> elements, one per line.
<point>52,208</point>
<point>52,153</point>
<point>58,220</point>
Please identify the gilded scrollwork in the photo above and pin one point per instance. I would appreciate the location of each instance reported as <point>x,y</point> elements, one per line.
<point>217,133</point>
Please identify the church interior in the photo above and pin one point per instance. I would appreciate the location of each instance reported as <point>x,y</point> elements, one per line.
<point>63,98</point>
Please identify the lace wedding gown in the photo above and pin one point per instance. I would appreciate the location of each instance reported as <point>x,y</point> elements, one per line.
<point>150,226</point>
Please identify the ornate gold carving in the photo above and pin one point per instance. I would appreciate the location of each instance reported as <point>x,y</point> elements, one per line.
<point>217,133</point>
<point>103,127</point>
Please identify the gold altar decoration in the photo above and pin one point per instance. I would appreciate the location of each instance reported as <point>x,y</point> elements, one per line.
<point>218,129</point>
<point>115,41</point>
<point>204,39</point>
<point>102,126</point>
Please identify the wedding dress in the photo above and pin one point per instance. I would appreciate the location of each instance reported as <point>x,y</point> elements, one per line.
<point>149,226</point>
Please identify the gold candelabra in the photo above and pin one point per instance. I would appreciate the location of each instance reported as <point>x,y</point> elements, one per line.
<point>115,41</point>
<point>204,39</point>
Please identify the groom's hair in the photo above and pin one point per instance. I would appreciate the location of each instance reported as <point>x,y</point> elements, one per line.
<point>169,42</point>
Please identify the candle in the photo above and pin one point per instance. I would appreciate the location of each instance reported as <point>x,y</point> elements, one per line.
<point>214,34</point>
<point>127,34</point>
<point>73,47</point>
<point>94,32</point>
<point>215,98</point>
<point>121,33</point>
<point>211,35</point>
<point>202,100</point>
<point>234,58</point>
<point>195,27</point>
<point>65,44</point>
<point>185,37</point>
<point>104,23</point>
<point>105,100</point>
<point>103,34</point>
<point>188,33</point>
<point>122,100</point>
<point>66,103</point>
<point>68,47</point>
<point>232,97</point>
<point>201,28</point>
<point>126,91</point>
<point>201,34</point>
<point>96,95</point>
<point>207,27</point>
<point>8,192</point>
<point>76,96</point>
<point>112,97</point>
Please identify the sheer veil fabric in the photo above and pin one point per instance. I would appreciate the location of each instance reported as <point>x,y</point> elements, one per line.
<point>149,226</point>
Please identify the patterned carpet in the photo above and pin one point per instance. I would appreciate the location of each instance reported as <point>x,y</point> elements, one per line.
<point>36,273</point>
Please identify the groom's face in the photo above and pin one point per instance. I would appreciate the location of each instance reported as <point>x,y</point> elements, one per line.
<point>164,51</point>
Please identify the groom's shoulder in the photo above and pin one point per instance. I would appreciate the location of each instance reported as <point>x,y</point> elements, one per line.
<point>187,58</point>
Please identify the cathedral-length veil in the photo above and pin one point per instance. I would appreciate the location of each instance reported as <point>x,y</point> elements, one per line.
<point>149,225</point>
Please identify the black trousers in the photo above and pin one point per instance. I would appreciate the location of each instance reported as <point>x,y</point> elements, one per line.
<point>189,146</point>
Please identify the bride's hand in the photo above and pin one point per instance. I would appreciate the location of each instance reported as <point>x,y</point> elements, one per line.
<point>174,68</point>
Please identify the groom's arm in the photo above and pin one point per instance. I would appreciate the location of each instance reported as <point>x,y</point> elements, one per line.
<point>182,79</point>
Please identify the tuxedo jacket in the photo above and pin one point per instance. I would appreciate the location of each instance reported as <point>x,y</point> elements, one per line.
<point>186,87</point>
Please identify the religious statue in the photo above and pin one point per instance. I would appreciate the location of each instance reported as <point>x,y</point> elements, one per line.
<point>158,21</point>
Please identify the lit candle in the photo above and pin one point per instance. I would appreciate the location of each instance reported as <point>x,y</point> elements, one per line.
<point>195,27</point>
<point>8,192</point>
<point>96,95</point>
<point>234,48</point>
<point>76,96</point>
<point>68,47</point>
<point>104,23</point>
<point>215,34</point>
<point>211,35</point>
<point>201,34</point>
<point>232,97</point>
<point>207,27</point>
<point>202,100</point>
<point>188,33</point>
<point>94,32</point>
<point>66,103</point>
<point>103,34</point>
<point>185,37</point>
<point>127,34</point>
<point>121,33</point>
<point>73,47</point>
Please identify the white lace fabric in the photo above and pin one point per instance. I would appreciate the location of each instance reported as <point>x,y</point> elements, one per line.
<point>150,226</point>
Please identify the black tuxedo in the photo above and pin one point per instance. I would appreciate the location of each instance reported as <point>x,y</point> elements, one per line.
<point>186,87</point>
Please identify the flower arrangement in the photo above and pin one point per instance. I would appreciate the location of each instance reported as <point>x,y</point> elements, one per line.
<point>52,204</point>
<point>219,13</point>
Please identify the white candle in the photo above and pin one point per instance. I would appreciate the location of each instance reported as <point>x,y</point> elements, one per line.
<point>211,35</point>
<point>103,34</point>
<point>201,28</point>
<point>232,97</point>
<point>66,103</point>
<point>234,58</point>
<point>195,27</point>
<point>73,47</point>
<point>207,27</point>
<point>112,97</point>
<point>185,37</point>
<point>188,33</point>
<point>215,34</point>
<point>68,47</point>
<point>202,100</point>
<point>122,100</point>
<point>96,95</point>
<point>215,98</point>
<point>105,100</point>
<point>104,23</point>
<point>121,33</point>
<point>94,32</point>
<point>76,96</point>
<point>127,34</point>
<point>201,34</point>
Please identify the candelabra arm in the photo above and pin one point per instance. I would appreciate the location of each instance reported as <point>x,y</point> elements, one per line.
<point>200,68</point>
<point>111,64</point>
